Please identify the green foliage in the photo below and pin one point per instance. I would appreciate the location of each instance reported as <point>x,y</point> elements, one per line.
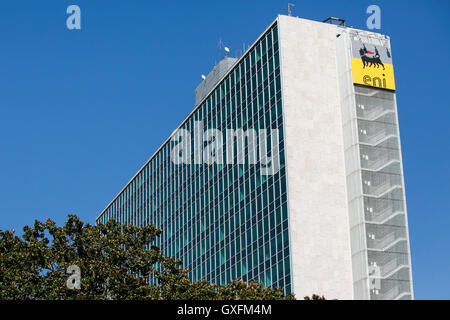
<point>174,284</point>
<point>109,255</point>
<point>314,297</point>
<point>115,260</point>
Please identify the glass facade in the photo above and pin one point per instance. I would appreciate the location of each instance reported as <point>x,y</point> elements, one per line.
<point>224,221</point>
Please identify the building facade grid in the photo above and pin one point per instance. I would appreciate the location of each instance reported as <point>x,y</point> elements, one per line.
<point>224,221</point>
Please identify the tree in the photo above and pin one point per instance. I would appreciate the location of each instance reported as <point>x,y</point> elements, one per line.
<point>115,260</point>
<point>174,283</point>
<point>109,256</point>
<point>314,297</point>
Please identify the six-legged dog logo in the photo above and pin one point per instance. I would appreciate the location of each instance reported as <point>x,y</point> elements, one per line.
<point>370,58</point>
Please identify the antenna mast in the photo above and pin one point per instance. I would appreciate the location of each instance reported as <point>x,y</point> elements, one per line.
<point>289,8</point>
<point>220,47</point>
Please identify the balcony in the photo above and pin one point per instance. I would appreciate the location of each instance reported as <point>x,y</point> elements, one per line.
<point>395,293</point>
<point>380,111</point>
<point>378,158</point>
<point>386,242</point>
<point>378,185</point>
<point>384,216</point>
<point>376,134</point>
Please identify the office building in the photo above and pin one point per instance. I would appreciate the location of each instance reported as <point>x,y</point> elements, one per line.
<point>288,170</point>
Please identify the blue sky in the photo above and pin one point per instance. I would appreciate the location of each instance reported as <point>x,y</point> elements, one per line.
<point>81,111</point>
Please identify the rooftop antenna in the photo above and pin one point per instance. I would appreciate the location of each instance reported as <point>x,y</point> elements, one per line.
<point>289,8</point>
<point>220,47</point>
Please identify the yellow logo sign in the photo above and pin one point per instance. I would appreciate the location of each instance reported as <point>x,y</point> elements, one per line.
<point>369,69</point>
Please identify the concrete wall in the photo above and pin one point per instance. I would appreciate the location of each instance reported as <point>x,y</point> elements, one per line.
<point>320,240</point>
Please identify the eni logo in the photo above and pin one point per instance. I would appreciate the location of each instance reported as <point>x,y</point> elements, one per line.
<point>375,81</point>
<point>368,60</point>
<point>371,67</point>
